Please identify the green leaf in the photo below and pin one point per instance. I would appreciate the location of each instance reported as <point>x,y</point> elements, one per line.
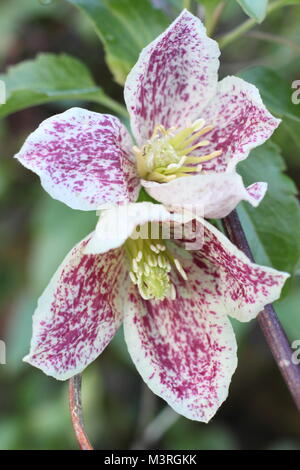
<point>287,309</point>
<point>48,78</point>
<point>125,27</point>
<point>275,91</point>
<point>256,9</point>
<point>272,228</point>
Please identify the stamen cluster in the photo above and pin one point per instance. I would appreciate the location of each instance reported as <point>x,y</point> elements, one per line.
<point>150,266</point>
<point>167,155</point>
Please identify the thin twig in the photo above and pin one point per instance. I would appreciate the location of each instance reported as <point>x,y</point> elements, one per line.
<point>186,4</point>
<point>76,413</point>
<point>268,320</point>
<point>230,37</point>
<point>147,409</point>
<point>156,429</point>
<point>212,23</point>
<point>274,39</point>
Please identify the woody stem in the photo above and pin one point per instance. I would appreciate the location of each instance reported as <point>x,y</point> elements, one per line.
<point>268,320</point>
<point>76,412</point>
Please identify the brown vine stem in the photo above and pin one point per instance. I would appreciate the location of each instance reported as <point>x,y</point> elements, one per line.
<point>268,320</point>
<point>76,412</point>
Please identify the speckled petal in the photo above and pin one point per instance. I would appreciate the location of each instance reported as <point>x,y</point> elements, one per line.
<point>83,159</point>
<point>184,349</point>
<point>244,287</point>
<point>79,312</point>
<point>174,78</point>
<point>241,122</point>
<point>256,193</point>
<point>217,194</point>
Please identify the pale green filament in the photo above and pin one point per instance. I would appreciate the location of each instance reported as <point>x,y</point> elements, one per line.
<point>150,265</point>
<point>167,154</point>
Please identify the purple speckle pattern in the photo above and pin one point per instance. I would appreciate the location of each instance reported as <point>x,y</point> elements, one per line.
<point>244,287</point>
<point>174,78</point>
<point>79,312</point>
<point>83,159</point>
<point>185,349</point>
<point>241,122</point>
<point>257,192</point>
<point>175,82</point>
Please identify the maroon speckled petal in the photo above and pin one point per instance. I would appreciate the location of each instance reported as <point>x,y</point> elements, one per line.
<point>241,122</point>
<point>244,287</point>
<point>83,159</point>
<point>184,349</point>
<point>256,193</point>
<point>174,78</point>
<point>79,312</point>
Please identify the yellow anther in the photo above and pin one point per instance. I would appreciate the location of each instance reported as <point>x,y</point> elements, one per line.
<point>172,292</point>
<point>198,124</point>
<point>133,277</point>
<point>154,248</point>
<point>166,155</point>
<point>135,265</point>
<point>195,136</point>
<point>161,247</point>
<point>146,269</point>
<point>207,158</point>
<point>180,269</point>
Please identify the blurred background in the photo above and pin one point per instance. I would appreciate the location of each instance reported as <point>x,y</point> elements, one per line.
<point>36,233</point>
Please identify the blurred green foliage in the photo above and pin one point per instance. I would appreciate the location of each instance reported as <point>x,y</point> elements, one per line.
<point>36,233</point>
<point>125,27</point>
<point>47,78</point>
<point>256,9</point>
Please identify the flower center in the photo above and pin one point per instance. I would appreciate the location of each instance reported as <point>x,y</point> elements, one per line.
<point>168,153</point>
<point>150,265</point>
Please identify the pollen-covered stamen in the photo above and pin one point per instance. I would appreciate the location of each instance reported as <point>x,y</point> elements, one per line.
<point>168,153</point>
<point>150,266</point>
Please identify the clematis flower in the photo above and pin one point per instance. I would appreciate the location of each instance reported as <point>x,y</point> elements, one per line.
<point>174,304</point>
<point>190,132</point>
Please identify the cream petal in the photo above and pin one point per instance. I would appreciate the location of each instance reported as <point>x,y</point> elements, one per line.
<point>83,159</point>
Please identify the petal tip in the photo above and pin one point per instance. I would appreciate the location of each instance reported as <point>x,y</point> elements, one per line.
<point>256,192</point>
